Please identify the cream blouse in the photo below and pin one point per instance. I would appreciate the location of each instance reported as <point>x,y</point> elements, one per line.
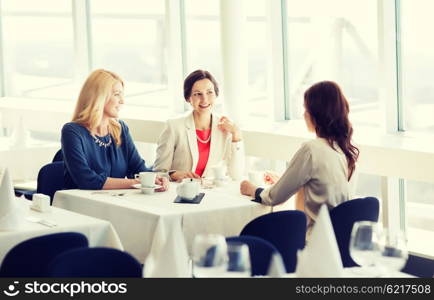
<point>323,173</point>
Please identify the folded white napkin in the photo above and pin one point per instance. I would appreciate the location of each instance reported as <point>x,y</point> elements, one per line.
<point>321,256</point>
<point>11,213</point>
<point>169,256</point>
<point>277,267</point>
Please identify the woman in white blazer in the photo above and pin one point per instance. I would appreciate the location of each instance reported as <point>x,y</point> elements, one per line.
<point>191,144</point>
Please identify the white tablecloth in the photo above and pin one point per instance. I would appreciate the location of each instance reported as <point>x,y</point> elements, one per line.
<point>99,232</point>
<point>135,216</point>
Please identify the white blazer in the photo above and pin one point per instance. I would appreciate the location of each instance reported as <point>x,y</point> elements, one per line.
<point>177,148</point>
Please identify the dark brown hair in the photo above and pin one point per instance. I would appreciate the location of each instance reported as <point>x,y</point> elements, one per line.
<point>196,76</point>
<point>328,109</point>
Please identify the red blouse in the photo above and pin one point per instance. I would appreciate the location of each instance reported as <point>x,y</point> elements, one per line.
<point>203,150</point>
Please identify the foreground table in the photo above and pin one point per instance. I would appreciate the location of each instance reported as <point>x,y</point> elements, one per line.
<point>136,217</point>
<point>98,232</point>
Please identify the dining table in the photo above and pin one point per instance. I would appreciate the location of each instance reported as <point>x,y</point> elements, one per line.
<point>144,222</point>
<point>33,223</point>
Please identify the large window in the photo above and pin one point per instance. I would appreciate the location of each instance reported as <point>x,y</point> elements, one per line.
<point>258,45</point>
<point>38,48</point>
<point>417,57</point>
<point>335,40</point>
<point>129,38</point>
<point>203,37</point>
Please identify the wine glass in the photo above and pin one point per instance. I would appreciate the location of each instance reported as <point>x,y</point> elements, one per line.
<point>364,244</point>
<point>239,260</point>
<point>209,255</point>
<point>393,251</point>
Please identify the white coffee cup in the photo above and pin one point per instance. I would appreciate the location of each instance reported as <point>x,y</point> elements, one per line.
<point>188,188</point>
<point>41,202</point>
<point>219,171</point>
<point>147,179</point>
<point>256,177</point>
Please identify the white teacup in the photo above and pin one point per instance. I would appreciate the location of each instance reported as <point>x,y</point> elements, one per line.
<point>219,172</point>
<point>147,179</point>
<point>256,177</point>
<point>188,189</point>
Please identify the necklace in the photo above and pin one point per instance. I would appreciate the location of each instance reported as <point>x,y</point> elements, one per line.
<point>203,141</point>
<point>101,143</point>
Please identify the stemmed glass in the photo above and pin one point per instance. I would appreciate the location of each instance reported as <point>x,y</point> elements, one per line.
<point>393,251</point>
<point>209,255</point>
<point>239,260</point>
<point>364,244</point>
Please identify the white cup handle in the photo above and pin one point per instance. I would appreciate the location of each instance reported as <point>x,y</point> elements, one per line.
<point>136,176</point>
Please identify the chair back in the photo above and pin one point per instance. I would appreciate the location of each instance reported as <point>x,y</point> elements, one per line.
<point>260,252</point>
<point>343,218</point>
<point>58,156</point>
<point>286,230</point>
<point>50,179</point>
<point>419,266</point>
<point>95,262</point>
<point>31,258</point>
<point>28,194</point>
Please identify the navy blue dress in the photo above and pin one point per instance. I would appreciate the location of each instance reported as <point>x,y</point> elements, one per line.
<point>87,164</point>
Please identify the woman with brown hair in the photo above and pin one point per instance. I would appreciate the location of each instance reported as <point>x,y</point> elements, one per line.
<point>193,143</point>
<point>321,169</point>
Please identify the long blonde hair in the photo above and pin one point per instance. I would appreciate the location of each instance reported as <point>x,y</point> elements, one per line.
<point>94,94</point>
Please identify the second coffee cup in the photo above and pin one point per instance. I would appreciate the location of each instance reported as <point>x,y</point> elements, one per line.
<point>147,179</point>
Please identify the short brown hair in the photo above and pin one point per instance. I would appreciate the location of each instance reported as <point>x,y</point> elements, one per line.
<point>196,76</point>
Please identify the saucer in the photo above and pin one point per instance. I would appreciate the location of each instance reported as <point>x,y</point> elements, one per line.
<point>149,190</point>
<point>139,186</point>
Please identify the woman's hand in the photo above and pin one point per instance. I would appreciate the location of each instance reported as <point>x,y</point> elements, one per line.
<point>163,181</point>
<point>271,177</point>
<point>180,175</point>
<point>227,125</point>
<point>247,188</point>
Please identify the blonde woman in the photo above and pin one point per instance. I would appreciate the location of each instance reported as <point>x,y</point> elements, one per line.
<point>98,150</point>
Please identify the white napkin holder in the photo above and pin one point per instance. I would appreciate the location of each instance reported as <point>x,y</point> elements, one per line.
<point>41,203</point>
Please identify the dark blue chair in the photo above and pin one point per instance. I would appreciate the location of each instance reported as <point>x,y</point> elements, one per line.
<point>343,218</point>
<point>419,266</point>
<point>50,179</point>
<point>58,156</point>
<point>260,252</point>
<point>286,230</point>
<point>28,194</point>
<point>95,262</point>
<point>31,258</point>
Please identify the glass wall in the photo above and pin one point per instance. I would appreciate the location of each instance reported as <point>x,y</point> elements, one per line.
<point>417,57</point>
<point>325,40</point>
<point>129,38</point>
<point>332,40</point>
<point>257,42</point>
<point>38,48</point>
<point>203,37</point>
